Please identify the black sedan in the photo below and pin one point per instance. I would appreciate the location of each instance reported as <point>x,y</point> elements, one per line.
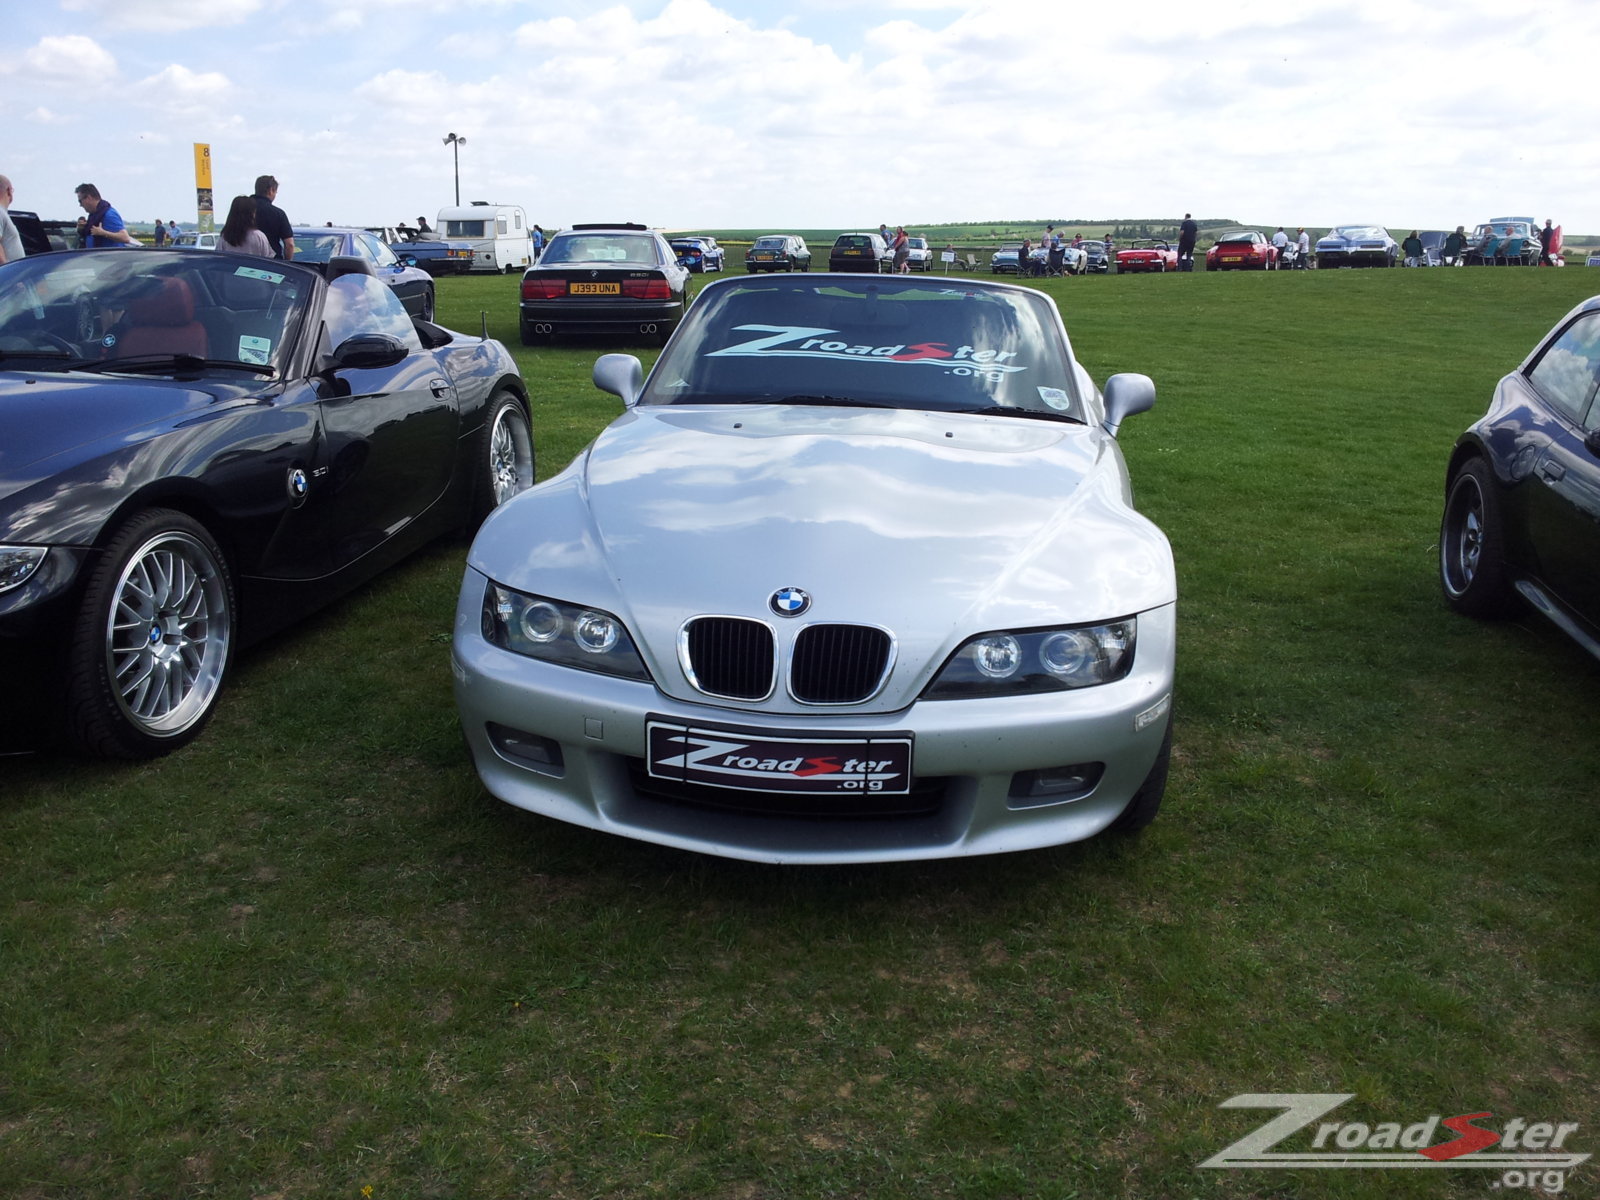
<point>1522,493</point>
<point>859,252</point>
<point>612,279</point>
<point>198,449</point>
<point>410,282</point>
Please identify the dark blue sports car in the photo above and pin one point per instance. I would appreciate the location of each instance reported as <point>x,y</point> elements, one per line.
<point>405,278</point>
<point>197,449</point>
<point>1522,494</point>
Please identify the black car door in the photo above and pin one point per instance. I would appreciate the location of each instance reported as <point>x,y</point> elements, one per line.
<point>389,428</point>
<point>1563,504</point>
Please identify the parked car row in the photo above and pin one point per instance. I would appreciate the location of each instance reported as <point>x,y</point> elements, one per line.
<point>198,449</point>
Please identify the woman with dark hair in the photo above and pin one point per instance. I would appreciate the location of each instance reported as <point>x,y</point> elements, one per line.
<point>239,232</point>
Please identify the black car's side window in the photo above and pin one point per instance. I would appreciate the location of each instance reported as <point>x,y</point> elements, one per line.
<point>360,304</point>
<point>1568,371</point>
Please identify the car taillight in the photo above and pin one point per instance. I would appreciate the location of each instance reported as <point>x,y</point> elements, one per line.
<point>646,289</point>
<point>543,289</point>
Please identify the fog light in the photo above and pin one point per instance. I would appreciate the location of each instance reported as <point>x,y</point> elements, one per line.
<point>529,750</point>
<point>1054,785</point>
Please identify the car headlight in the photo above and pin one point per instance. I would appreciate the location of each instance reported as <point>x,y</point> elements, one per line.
<point>1037,660</point>
<point>570,634</point>
<point>19,562</point>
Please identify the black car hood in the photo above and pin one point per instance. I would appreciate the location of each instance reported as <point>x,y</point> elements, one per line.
<point>52,419</point>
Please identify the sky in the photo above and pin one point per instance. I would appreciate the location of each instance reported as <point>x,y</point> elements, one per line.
<point>808,114</point>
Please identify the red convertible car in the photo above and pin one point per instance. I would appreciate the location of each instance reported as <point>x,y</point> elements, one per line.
<point>1241,250</point>
<point>1150,254</point>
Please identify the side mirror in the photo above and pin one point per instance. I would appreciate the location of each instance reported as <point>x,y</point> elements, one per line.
<point>1126,395</point>
<point>410,260</point>
<point>621,375</point>
<point>368,352</point>
<point>1591,440</point>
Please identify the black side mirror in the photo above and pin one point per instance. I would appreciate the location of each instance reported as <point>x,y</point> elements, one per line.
<point>1591,440</point>
<point>368,352</point>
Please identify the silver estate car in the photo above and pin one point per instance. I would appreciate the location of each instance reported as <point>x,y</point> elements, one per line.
<point>855,577</point>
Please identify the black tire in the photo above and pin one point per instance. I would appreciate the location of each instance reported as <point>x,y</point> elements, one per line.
<point>505,454</point>
<point>1146,802</point>
<point>427,304</point>
<point>1472,569</point>
<point>153,639</point>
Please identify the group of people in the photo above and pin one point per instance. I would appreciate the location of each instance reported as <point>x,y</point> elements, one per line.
<point>1300,259</point>
<point>899,243</point>
<point>255,224</point>
<point>1457,247</point>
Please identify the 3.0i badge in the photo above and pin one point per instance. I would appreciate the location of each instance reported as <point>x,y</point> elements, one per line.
<point>789,602</point>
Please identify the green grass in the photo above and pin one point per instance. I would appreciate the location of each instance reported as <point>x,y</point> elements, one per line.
<point>308,956</point>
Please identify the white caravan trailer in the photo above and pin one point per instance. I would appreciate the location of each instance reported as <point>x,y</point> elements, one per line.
<point>499,234</point>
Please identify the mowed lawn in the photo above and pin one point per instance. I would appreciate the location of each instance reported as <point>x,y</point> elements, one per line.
<point>308,956</point>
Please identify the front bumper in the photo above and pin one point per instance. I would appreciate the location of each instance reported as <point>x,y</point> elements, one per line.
<point>966,756</point>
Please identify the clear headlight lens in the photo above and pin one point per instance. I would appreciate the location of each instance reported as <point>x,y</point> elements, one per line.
<point>19,562</point>
<point>569,634</point>
<point>1038,660</point>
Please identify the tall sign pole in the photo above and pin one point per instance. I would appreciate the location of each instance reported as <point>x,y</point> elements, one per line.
<point>202,186</point>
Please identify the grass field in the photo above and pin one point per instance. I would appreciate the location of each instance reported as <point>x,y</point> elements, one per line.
<point>308,957</point>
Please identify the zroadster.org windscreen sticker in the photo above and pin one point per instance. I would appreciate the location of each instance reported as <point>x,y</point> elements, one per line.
<point>797,341</point>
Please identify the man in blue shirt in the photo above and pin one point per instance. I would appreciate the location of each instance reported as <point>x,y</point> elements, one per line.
<point>104,226</point>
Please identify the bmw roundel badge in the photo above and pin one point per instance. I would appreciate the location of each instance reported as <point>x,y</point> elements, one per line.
<point>789,602</point>
<point>299,485</point>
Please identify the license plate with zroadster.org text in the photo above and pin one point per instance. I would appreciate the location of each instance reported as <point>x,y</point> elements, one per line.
<point>594,289</point>
<point>759,762</point>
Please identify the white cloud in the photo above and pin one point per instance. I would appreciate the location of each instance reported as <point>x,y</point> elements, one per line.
<point>178,90</point>
<point>163,15</point>
<point>69,58</point>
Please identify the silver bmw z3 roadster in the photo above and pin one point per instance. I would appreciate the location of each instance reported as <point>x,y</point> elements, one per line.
<point>855,577</point>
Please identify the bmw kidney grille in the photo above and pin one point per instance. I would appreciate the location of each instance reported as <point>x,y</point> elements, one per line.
<point>736,659</point>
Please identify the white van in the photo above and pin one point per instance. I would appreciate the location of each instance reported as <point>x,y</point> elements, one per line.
<point>499,234</point>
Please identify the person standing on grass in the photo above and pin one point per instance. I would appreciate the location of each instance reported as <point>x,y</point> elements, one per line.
<point>272,220</point>
<point>902,251</point>
<point>103,226</point>
<point>1188,234</point>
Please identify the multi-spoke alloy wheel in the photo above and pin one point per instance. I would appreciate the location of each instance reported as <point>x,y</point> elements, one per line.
<point>154,638</point>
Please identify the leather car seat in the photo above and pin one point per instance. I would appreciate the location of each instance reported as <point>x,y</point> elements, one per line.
<point>162,323</point>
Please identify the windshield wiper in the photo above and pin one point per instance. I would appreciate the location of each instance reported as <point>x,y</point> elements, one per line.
<point>839,401</point>
<point>1007,410</point>
<point>180,363</point>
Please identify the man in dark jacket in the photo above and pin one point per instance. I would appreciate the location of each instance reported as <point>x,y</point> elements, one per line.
<point>271,219</point>
<point>1188,234</point>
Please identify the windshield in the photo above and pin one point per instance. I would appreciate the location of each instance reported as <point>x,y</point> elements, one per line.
<point>874,342</point>
<point>768,243</point>
<point>602,248</point>
<point>1359,233</point>
<point>318,247</point>
<point>99,308</point>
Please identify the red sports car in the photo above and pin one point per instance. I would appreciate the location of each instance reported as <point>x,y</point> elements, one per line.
<point>1149,254</point>
<point>1241,250</point>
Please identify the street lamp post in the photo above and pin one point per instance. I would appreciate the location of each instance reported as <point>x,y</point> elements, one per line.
<point>455,143</point>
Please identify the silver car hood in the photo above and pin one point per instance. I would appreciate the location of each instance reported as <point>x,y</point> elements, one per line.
<point>933,526</point>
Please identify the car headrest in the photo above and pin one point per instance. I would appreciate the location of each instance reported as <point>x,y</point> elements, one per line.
<point>171,306</point>
<point>348,264</point>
